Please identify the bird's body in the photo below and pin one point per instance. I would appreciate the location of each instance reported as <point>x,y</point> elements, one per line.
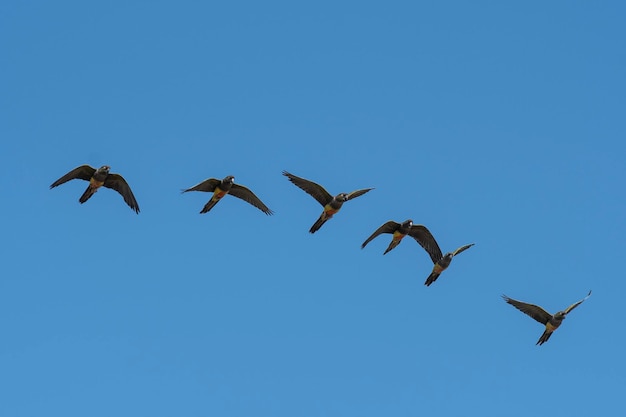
<point>551,322</point>
<point>219,192</point>
<point>329,211</point>
<point>331,204</point>
<point>396,238</point>
<point>99,178</point>
<point>441,262</point>
<point>399,231</point>
<point>220,188</point>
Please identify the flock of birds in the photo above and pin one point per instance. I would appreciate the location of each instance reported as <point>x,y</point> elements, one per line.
<point>101,177</point>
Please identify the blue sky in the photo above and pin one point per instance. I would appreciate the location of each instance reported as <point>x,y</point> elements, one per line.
<point>495,124</point>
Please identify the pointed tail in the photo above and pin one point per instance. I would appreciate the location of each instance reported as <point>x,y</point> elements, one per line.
<point>208,206</point>
<point>316,226</point>
<point>544,337</point>
<point>392,245</point>
<point>432,278</point>
<point>87,194</point>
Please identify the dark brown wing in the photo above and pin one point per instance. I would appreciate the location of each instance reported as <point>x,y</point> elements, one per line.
<point>248,196</point>
<point>573,306</point>
<point>536,312</point>
<point>83,172</point>
<point>315,190</point>
<point>426,240</point>
<point>357,193</point>
<point>206,185</point>
<point>388,227</point>
<point>118,183</point>
<point>461,249</point>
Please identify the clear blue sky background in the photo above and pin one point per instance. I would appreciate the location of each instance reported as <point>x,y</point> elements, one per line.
<point>497,124</point>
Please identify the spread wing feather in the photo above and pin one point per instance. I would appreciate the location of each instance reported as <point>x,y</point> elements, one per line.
<point>357,193</point>
<point>118,183</point>
<point>573,306</point>
<point>534,311</point>
<point>462,248</point>
<point>83,172</point>
<point>314,190</point>
<point>426,240</point>
<point>388,227</point>
<point>206,186</point>
<point>248,196</point>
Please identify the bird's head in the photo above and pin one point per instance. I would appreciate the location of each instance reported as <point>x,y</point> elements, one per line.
<point>104,169</point>
<point>407,223</point>
<point>342,197</point>
<point>229,179</point>
<point>560,315</point>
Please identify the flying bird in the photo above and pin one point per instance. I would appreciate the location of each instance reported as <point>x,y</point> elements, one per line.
<point>220,188</point>
<point>399,232</point>
<point>552,322</point>
<point>441,262</point>
<point>98,178</point>
<point>331,204</point>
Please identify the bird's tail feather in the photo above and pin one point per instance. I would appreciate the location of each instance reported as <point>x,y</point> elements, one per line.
<point>316,226</point>
<point>544,337</point>
<point>392,245</point>
<point>208,206</point>
<point>432,278</point>
<point>87,194</point>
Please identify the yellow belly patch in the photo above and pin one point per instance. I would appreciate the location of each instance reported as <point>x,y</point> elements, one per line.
<point>398,236</point>
<point>94,183</point>
<point>329,211</point>
<point>438,269</point>
<point>218,193</point>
